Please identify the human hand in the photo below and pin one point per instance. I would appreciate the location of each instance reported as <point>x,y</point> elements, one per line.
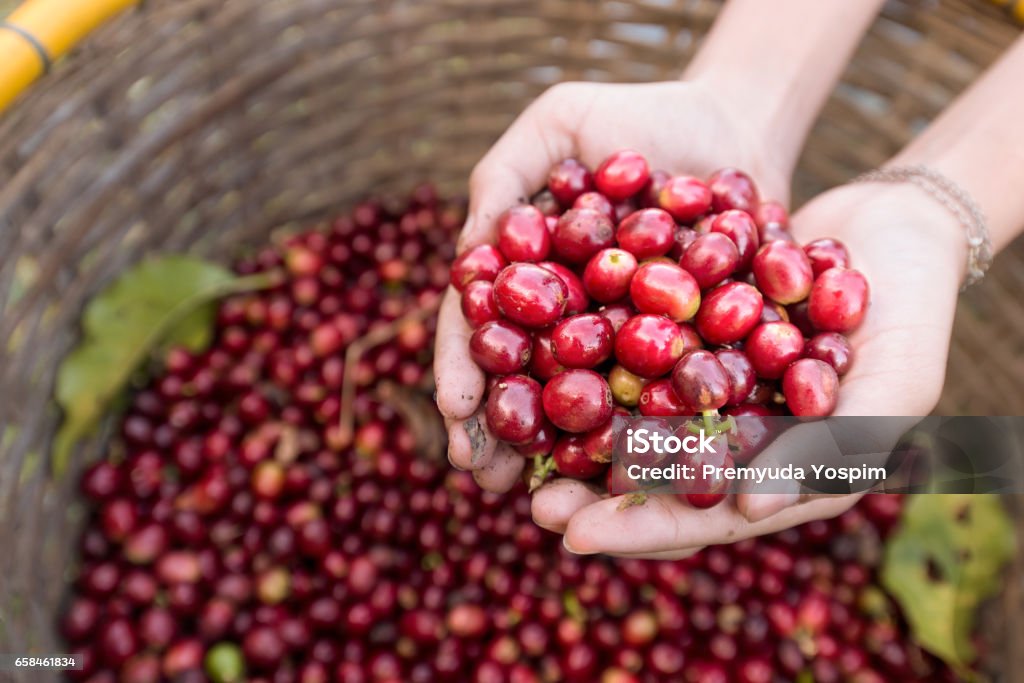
<point>912,252</point>
<point>587,121</point>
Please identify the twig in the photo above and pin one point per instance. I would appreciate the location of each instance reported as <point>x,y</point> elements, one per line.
<point>385,333</point>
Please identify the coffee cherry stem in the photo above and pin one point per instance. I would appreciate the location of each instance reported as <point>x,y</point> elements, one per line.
<point>710,426</point>
<point>726,425</point>
<point>715,427</point>
<point>543,466</point>
<point>376,337</point>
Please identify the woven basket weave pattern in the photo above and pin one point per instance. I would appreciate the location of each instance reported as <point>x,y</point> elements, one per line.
<point>201,125</point>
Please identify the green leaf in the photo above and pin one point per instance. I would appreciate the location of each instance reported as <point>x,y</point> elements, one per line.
<point>142,297</point>
<point>166,300</point>
<point>946,558</point>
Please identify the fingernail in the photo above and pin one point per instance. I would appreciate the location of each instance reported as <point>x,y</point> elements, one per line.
<point>452,462</point>
<point>565,542</point>
<point>763,505</point>
<point>553,528</point>
<point>681,554</point>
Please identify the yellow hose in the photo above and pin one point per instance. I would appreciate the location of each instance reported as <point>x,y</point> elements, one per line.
<point>1014,7</point>
<point>40,32</point>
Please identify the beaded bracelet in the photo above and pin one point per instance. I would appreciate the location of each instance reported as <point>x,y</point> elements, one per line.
<point>956,200</point>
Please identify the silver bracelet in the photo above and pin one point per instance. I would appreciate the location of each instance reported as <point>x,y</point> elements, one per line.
<point>956,200</point>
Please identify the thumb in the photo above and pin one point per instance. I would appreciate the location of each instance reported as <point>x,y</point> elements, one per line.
<point>515,168</point>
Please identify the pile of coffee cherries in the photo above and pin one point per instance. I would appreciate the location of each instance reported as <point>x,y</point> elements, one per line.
<point>623,291</point>
<point>235,519</point>
<point>236,533</point>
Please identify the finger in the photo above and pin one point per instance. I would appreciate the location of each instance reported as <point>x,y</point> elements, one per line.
<point>470,444</point>
<point>518,164</point>
<point>556,501</point>
<point>515,167</point>
<point>459,381</point>
<point>900,351</point>
<point>756,506</point>
<point>839,441</point>
<point>800,447</point>
<point>670,555</point>
<point>502,472</point>
<point>665,524</point>
<point>848,438</point>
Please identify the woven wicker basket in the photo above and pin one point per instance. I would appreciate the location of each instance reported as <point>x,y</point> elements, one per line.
<point>201,125</point>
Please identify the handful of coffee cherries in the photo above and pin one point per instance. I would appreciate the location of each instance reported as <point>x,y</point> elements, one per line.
<point>624,291</point>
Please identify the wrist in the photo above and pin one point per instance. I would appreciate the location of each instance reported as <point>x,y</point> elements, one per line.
<point>980,147</point>
<point>753,108</point>
<point>970,167</point>
<point>914,220</point>
<point>778,86</point>
<point>933,222</point>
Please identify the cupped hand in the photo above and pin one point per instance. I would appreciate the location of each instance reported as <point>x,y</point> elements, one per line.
<point>678,126</point>
<point>912,252</point>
